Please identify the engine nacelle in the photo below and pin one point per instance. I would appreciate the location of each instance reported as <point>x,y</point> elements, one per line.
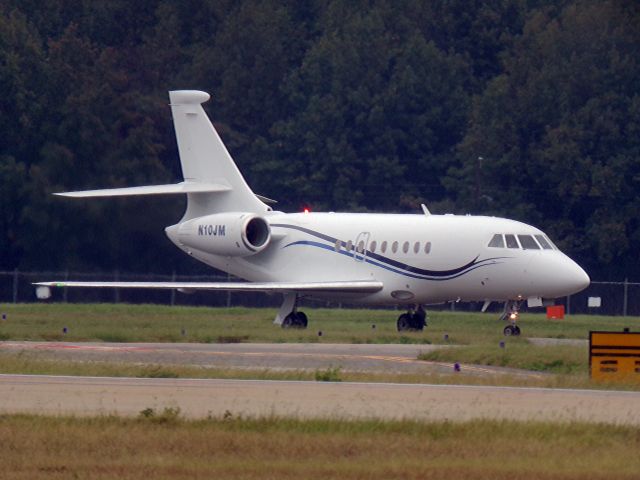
<point>227,234</point>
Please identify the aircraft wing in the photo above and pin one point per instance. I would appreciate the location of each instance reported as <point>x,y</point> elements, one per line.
<point>356,286</point>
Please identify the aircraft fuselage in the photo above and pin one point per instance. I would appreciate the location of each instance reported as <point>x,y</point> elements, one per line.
<point>420,259</point>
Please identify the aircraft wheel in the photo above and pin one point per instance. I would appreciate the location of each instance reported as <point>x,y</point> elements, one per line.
<point>417,322</point>
<point>404,322</point>
<point>516,330</point>
<point>289,321</point>
<point>509,330</point>
<point>295,320</point>
<point>301,320</point>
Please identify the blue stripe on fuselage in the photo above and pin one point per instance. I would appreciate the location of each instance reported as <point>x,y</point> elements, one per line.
<point>385,260</point>
<point>448,276</point>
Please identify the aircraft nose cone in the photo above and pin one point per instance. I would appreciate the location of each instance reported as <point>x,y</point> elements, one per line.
<point>574,278</point>
<point>558,276</point>
<point>582,280</point>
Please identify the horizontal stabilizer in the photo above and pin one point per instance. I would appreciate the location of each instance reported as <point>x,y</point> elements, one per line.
<point>357,286</point>
<point>173,188</point>
<point>183,187</point>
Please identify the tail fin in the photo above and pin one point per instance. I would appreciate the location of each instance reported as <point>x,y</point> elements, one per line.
<point>205,159</point>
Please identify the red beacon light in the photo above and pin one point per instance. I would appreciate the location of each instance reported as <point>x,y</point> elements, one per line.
<point>306,210</point>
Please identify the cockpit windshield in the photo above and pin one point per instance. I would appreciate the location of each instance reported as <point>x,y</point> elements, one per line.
<point>497,241</point>
<point>521,241</point>
<point>543,242</point>
<point>528,243</point>
<point>511,241</point>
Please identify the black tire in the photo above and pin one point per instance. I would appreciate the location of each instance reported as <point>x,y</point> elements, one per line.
<point>289,321</point>
<point>404,322</point>
<point>516,330</point>
<point>420,319</point>
<point>301,320</point>
<point>508,331</point>
<point>417,322</point>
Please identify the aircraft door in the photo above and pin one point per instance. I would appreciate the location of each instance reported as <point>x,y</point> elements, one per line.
<point>360,246</point>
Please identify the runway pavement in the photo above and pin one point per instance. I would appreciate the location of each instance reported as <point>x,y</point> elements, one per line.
<point>387,358</point>
<point>250,398</point>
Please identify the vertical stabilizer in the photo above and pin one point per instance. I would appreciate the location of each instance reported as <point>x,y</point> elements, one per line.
<point>205,159</point>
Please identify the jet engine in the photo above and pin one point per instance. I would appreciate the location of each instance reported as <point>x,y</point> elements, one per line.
<point>227,234</point>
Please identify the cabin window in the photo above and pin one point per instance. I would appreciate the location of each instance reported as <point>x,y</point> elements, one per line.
<point>511,241</point>
<point>360,247</point>
<point>383,247</point>
<point>394,247</point>
<point>543,242</point>
<point>372,246</point>
<point>427,248</point>
<point>416,247</point>
<point>338,244</point>
<point>405,247</point>
<point>349,246</point>
<point>497,241</point>
<point>528,243</point>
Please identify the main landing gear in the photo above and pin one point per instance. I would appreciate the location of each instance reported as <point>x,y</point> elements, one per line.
<point>510,314</point>
<point>412,320</point>
<point>288,316</point>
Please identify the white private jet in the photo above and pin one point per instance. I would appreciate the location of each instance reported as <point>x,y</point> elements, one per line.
<point>368,259</point>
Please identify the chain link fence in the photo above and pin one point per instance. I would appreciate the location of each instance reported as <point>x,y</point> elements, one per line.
<point>616,298</point>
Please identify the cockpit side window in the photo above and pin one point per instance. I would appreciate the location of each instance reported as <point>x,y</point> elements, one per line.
<point>543,242</point>
<point>497,241</point>
<point>528,243</point>
<point>553,245</point>
<point>511,241</point>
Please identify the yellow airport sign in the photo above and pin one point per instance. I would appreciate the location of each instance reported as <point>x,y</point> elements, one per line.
<point>614,356</point>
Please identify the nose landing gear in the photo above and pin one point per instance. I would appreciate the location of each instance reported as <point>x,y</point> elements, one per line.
<point>510,314</point>
<point>511,330</point>
<point>412,320</point>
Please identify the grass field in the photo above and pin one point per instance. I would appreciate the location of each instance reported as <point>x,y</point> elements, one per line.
<point>155,323</point>
<point>31,364</point>
<point>518,353</point>
<point>163,446</point>
<point>476,338</point>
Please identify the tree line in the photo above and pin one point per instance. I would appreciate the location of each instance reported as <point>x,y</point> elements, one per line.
<point>516,108</point>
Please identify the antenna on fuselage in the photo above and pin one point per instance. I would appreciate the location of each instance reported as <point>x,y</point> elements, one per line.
<point>425,209</point>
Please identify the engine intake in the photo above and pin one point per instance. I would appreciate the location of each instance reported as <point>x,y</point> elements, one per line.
<point>227,234</point>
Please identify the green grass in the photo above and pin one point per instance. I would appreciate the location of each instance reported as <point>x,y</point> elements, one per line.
<point>331,374</point>
<point>33,364</point>
<point>518,354</point>
<point>162,445</point>
<point>476,338</point>
<point>153,323</point>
